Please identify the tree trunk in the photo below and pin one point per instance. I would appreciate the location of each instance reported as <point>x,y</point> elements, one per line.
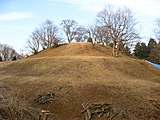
<point>117,50</point>
<point>113,52</point>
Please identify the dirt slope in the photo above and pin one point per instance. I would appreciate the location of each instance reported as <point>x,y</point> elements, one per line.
<point>80,76</point>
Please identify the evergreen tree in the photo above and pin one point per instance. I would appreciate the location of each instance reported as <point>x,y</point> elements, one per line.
<point>154,55</point>
<point>141,51</point>
<point>151,44</point>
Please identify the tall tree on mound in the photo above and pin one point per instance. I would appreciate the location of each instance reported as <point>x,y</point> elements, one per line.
<point>81,34</point>
<point>43,37</point>
<point>48,34</point>
<point>34,41</point>
<point>70,28</point>
<point>98,34</point>
<point>120,24</point>
<point>89,33</point>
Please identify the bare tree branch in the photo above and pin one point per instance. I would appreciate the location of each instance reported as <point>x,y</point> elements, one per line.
<point>157,28</point>
<point>43,37</point>
<point>120,24</point>
<point>70,28</point>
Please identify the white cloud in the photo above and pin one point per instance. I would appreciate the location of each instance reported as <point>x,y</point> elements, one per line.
<point>89,5</point>
<point>15,16</point>
<point>146,7</point>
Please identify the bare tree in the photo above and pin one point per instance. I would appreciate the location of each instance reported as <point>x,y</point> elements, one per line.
<point>7,52</point>
<point>48,34</point>
<point>1,47</point>
<point>92,33</point>
<point>43,37</point>
<point>157,28</point>
<point>33,42</point>
<point>102,35</point>
<point>70,29</point>
<point>89,33</point>
<point>120,24</point>
<point>81,34</point>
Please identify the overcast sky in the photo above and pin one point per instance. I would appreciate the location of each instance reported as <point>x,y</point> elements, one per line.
<point>18,18</point>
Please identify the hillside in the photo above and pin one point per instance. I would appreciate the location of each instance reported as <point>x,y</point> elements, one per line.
<point>76,49</point>
<point>79,73</point>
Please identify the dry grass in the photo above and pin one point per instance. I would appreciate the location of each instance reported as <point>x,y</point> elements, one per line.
<point>76,49</point>
<point>14,108</point>
<point>131,85</point>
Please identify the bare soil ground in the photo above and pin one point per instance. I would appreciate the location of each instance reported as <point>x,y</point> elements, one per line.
<point>79,73</point>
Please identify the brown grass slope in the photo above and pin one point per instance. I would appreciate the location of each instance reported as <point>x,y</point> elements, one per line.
<point>75,49</point>
<point>87,75</point>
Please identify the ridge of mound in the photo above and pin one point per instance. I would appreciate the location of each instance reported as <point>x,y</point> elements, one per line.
<point>76,49</point>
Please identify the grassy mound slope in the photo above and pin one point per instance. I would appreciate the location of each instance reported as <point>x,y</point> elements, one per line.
<point>93,76</point>
<point>75,49</point>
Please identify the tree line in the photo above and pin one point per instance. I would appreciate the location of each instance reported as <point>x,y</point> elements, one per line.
<point>114,27</point>
<point>150,52</point>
